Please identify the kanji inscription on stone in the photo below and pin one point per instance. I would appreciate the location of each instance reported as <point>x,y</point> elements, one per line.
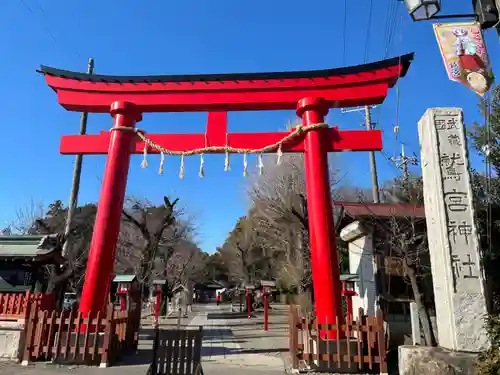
<point>454,252</point>
<point>457,200</point>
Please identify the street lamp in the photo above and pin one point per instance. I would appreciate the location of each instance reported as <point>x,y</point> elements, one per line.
<point>485,11</point>
<point>423,9</point>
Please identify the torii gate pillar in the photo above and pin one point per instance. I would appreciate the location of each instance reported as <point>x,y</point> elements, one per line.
<point>324,260</point>
<point>107,222</point>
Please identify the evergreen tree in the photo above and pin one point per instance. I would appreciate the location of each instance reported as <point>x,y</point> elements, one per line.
<point>486,186</point>
<point>486,139</point>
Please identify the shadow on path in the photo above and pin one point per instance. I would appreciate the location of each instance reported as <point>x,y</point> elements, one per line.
<point>141,357</point>
<point>257,323</point>
<point>221,350</point>
<point>227,316</point>
<point>209,333</point>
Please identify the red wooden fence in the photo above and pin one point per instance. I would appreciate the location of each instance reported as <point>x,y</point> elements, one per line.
<point>59,337</point>
<point>15,306</point>
<point>359,344</point>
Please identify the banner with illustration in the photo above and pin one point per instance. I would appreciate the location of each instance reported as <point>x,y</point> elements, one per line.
<point>464,54</point>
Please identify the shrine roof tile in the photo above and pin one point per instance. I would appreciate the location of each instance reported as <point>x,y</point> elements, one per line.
<point>6,287</point>
<point>124,278</point>
<point>382,210</point>
<point>20,246</point>
<point>349,277</point>
<point>404,60</point>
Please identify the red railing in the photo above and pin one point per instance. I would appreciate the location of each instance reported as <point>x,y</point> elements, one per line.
<point>359,345</point>
<point>15,306</point>
<point>59,336</point>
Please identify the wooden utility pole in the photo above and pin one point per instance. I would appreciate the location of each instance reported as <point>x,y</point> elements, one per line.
<point>373,164</point>
<point>75,186</point>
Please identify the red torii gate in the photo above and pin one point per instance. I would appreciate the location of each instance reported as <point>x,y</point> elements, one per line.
<point>311,93</point>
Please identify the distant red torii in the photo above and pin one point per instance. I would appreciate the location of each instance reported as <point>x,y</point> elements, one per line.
<point>311,93</point>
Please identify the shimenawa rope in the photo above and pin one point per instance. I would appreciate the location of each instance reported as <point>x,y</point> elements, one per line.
<point>227,149</point>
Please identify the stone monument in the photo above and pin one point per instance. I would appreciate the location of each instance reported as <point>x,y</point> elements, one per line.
<point>452,236</point>
<point>453,248</point>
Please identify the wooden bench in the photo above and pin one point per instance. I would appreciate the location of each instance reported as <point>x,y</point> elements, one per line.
<point>177,352</point>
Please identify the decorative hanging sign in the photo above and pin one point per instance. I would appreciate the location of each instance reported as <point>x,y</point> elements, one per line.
<point>464,54</point>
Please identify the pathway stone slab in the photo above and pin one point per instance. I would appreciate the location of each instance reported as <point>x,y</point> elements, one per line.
<point>221,347</point>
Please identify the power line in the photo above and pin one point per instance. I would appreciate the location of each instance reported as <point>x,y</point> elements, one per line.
<point>345,33</point>
<point>391,27</point>
<point>398,96</point>
<point>402,162</point>
<point>390,5</point>
<point>389,161</point>
<point>373,166</point>
<point>47,29</point>
<point>368,29</point>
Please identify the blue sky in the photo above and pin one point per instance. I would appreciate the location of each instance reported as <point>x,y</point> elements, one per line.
<point>174,37</point>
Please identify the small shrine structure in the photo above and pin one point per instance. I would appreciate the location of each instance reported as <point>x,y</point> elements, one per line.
<point>22,262</point>
<point>126,286</point>
<point>376,279</point>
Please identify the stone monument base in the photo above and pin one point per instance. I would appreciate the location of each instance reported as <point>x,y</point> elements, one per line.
<point>11,340</point>
<point>416,360</point>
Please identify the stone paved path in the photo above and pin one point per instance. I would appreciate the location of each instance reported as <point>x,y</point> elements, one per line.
<point>221,347</point>
<point>252,337</point>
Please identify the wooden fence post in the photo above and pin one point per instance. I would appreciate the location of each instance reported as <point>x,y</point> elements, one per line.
<point>109,333</point>
<point>381,343</point>
<point>26,302</point>
<point>29,325</point>
<point>156,343</point>
<point>293,336</point>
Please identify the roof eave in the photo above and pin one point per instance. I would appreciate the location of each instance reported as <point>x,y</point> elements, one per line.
<point>403,60</point>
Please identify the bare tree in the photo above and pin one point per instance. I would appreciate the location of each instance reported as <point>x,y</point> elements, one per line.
<point>26,217</point>
<point>150,233</point>
<point>185,264</point>
<point>280,216</point>
<point>405,237</point>
<point>241,250</point>
<point>70,274</point>
<point>64,272</point>
<point>280,213</point>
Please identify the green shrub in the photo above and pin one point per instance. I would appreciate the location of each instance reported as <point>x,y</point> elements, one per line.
<point>488,362</point>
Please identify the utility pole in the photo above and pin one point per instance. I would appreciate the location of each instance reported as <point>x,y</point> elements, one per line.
<point>75,186</point>
<point>402,162</point>
<point>379,278</point>
<point>373,165</point>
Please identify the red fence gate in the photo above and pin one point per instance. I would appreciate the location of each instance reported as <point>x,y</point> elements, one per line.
<point>355,345</point>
